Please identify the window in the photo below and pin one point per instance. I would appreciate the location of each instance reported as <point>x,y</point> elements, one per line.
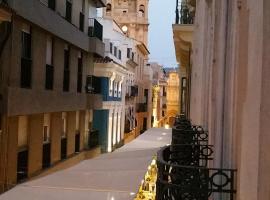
<point>68,10</point>
<point>66,70</point>
<point>26,44</point>
<point>115,51</point>
<point>108,7</point>
<point>81,21</point>
<point>46,128</point>
<point>129,52</point>
<point>111,47</point>
<point>119,54</point>
<point>183,95</point>
<point>82,16</point>
<point>141,10</point>
<point>79,73</point>
<point>45,134</point>
<point>49,66</point>
<point>64,123</point>
<point>26,62</point>
<point>49,3</point>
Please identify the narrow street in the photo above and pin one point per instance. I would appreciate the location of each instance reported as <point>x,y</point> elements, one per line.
<point>111,176</point>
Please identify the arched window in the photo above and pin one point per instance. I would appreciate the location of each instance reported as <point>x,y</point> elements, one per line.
<point>109,7</point>
<point>141,8</point>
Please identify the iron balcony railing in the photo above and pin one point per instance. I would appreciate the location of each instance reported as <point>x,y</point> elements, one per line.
<point>93,85</point>
<point>183,182</point>
<point>3,2</point>
<point>184,14</point>
<point>183,171</point>
<point>95,29</point>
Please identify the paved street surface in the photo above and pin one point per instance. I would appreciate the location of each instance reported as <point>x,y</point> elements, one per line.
<point>112,176</point>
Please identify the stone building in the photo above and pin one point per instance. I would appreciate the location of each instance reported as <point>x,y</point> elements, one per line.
<point>132,17</point>
<point>116,74</point>
<point>47,49</point>
<point>228,68</point>
<point>172,97</point>
<point>159,95</point>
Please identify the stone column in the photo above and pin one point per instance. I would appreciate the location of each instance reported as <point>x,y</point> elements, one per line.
<point>71,129</point>
<point>8,152</point>
<point>35,143</point>
<point>56,131</point>
<point>82,127</point>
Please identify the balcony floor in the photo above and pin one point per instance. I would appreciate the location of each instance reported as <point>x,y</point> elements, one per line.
<point>111,176</point>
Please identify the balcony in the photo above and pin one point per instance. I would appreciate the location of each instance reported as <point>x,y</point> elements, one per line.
<point>141,107</point>
<point>95,29</point>
<point>184,13</point>
<point>95,32</point>
<point>183,171</point>
<point>93,91</point>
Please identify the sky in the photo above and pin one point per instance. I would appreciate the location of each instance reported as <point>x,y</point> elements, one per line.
<point>161,18</point>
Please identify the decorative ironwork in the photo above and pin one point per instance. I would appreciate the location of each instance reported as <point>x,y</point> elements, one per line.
<point>183,172</point>
<point>95,29</point>
<point>191,155</point>
<point>184,15</point>
<point>186,134</point>
<point>183,182</point>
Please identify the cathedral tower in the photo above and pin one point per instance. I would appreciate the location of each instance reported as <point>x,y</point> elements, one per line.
<point>131,15</point>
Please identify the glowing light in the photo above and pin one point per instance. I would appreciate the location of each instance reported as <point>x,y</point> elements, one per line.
<point>167,126</point>
<point>124,28</point>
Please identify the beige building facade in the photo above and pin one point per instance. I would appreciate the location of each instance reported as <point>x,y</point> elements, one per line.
<point>230,88</point>
<point>45,63</point>
<point>159,95</point>
<point>132,17</point>
<point>172,94</point>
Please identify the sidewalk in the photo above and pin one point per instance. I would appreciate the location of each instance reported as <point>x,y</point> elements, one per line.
<point>112,176</point>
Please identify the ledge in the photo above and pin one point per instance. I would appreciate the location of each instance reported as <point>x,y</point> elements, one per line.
<point>96,46</point>
<point>51,21</point>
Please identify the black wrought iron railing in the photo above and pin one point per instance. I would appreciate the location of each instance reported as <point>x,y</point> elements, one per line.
<point>183,171</point>
<point>95,29</point>
<point>184,14</point>
<point>93,85</point>
<point>3,2</point>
